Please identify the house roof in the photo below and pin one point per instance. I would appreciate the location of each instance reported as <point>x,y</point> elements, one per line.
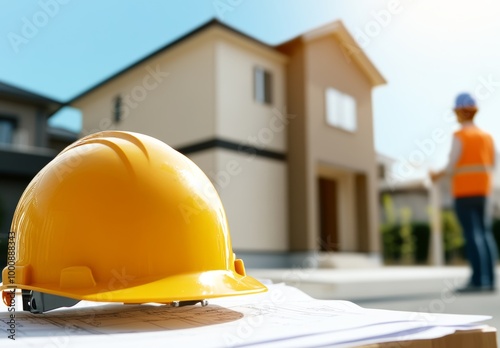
<point>413,185</point>
<point>10,92</point>
<point>350,48</point>
<point>337,28</point>
<point>381,158</point>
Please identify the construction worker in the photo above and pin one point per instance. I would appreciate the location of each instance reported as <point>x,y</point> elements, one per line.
<point>470,166</point>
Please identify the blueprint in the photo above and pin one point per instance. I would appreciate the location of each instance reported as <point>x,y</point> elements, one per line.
<point>282,317</point>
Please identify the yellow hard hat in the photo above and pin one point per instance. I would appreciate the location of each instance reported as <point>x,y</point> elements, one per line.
<point>123,217</point>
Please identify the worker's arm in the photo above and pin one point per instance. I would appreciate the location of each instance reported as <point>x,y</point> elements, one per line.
<point>456,150</point>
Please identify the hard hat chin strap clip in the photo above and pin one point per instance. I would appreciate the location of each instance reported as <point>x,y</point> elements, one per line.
<point>187,303</point>
<point>39,302</point>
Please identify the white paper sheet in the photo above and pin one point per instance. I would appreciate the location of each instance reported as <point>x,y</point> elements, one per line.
<point>282,317</point>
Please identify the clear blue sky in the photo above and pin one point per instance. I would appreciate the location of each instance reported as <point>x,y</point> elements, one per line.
<point>427,50</point>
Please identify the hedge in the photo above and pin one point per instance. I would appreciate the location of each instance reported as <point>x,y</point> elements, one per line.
<point>454,247</point>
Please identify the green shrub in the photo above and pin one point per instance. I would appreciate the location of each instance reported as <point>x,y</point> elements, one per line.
<point>421,235</point>
<point>408,239</point>
<point>416,236</point>
<point>410,243</point>
<point>391,243</point>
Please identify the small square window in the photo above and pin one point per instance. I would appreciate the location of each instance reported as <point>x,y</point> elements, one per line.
<point>263,86</point>
<point>340,110</point>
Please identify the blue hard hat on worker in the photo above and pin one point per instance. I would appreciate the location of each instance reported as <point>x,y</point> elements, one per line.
<point>464,101</point>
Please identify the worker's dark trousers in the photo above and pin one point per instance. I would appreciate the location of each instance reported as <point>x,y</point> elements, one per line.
<point>480,244</point>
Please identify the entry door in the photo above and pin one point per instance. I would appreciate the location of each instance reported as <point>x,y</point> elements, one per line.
<point>328,215</point>
<point>362,223</point>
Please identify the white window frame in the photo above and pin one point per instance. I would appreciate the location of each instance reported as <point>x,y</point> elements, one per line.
<point>340,110</point>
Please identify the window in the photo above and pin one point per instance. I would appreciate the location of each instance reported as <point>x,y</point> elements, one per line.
<point>117,109</point>
<point>263,86</point>
<point>381,171</point>
<point>340,110</point>
<point>7,128</point>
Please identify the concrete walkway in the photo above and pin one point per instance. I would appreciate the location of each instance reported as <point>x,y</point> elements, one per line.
<point>370,283</point>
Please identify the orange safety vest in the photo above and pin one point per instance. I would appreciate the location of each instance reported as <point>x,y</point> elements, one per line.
<point>472,175</point>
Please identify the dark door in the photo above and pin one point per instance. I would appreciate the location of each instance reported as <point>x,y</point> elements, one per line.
<point>328,215</point>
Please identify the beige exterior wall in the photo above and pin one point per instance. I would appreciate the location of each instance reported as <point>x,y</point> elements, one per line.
<point>253,191</point>
<point>239,117</point>
<point>255,199</point>
<point>179,108</point>
<point>206,160</point>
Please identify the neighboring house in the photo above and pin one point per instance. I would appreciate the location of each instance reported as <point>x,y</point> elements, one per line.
<point>411,195</point>
<point>414,193</point>
<point>25,144</point>
<point>285,133</point>
<point>405,193</point>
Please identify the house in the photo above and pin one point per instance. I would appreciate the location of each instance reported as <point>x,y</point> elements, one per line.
<point>27,144</point>
<point>406,194</point>
<point>414,193</point>
<point>285,133</point>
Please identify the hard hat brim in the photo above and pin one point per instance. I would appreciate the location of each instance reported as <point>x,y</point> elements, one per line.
<point>209,284</point>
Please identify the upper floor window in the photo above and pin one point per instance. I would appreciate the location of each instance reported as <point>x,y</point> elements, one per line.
<point>263,85</point>
<point>7,129</point>
<point>340,110</point>
<point>117,109</point>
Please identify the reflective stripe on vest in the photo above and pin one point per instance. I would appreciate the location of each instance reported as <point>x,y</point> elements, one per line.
<point>472,173</point>
<point>472,169</point>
